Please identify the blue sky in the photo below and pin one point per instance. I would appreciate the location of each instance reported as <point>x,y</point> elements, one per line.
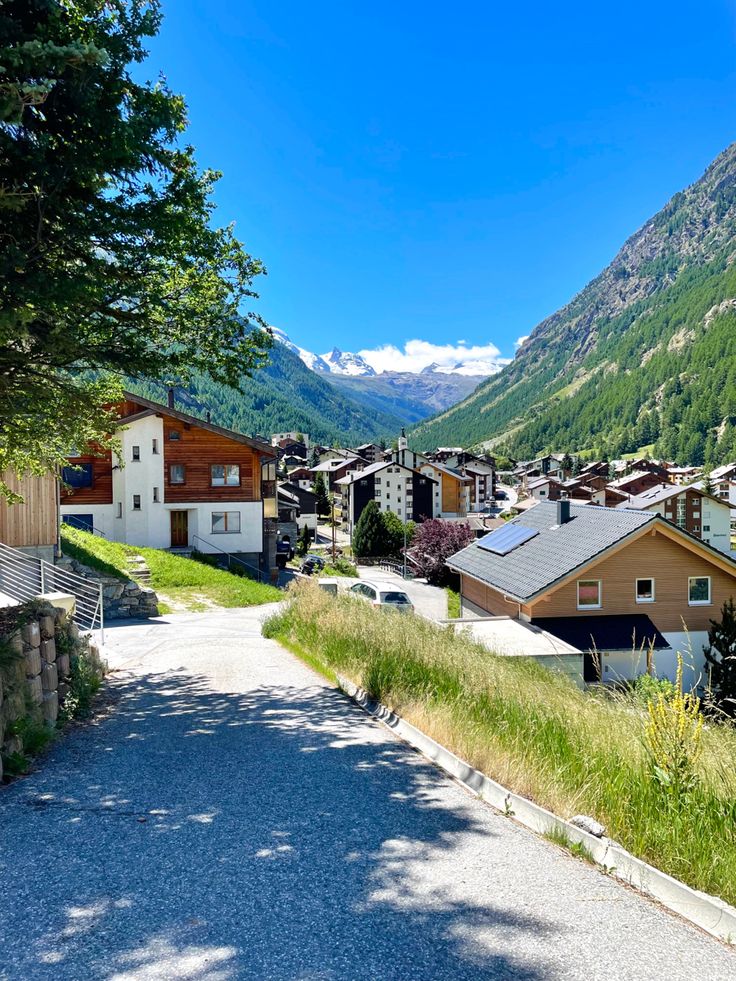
<point>444,173</point>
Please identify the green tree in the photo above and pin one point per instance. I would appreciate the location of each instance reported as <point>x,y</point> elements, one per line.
<point>109,264</point>
<point>323,500</point>
<point>720,657</point>
<point>370,532</point>
<point>303,541</point>
<point>393,533</point>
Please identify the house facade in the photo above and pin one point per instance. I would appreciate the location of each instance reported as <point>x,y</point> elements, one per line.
<point>606,582</point>
<point>408,493</point>
<point>451,488</point>
<point>178,482</point>
<point>690,508</point>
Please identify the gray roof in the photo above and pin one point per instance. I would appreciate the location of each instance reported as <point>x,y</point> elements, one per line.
<point>663,492</point>
<point>555,552</point>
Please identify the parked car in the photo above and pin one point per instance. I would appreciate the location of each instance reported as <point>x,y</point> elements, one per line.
<point>383,594</point>
<point>284,552</point>
<point>311,564</point>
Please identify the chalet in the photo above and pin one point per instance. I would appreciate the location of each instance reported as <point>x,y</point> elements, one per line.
<point>451,488</point>
<point>179,482</point>
<point>723,482</point>
<point>370,452</point>
<point>636,482</point>
<point>690,508</point>
<point>603,581</point>
<point>545,489</point>
<point>277,439</point>
<point>408,492</point>
<point>335,468</point>
<point>482,473</point>
<point>683,475</point>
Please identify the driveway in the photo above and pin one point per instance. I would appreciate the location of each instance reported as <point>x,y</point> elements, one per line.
<point>231,816</point>
<point>429,601</point>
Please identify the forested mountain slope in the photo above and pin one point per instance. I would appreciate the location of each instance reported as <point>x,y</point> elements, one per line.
<point>283,396</point>
<point>646,353</point>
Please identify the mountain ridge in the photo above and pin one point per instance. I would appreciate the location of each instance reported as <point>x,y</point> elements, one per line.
<point>633,358</point>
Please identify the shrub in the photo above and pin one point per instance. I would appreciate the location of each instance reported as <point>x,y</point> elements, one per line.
<point>434,542</point>
<point>720,655</point>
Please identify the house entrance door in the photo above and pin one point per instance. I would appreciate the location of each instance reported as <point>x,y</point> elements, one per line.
<point>179,529</point>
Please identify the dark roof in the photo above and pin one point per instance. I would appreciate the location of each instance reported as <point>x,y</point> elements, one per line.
<point>622,632</point>
<point>555,552</point>
<point>164,410</point>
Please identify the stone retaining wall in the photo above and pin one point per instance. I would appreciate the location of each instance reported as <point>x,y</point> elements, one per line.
<point>37,642</point>
<point>121,598</point>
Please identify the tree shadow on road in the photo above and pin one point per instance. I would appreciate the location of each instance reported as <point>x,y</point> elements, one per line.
<point>273,834</point>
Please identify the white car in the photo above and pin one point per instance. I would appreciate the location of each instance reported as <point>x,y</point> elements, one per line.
<point>383,594</point>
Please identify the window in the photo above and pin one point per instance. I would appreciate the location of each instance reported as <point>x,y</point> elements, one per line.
<point>177,473</point>
<point>589,594</point>
<point>136,453</point>
<point>225,522</point>
<point>698,590</point>
<point>644,590</point>
<point>154,447</point>
<point>119,513</point>
<point>136,502</point>
<point>174,434</point>
<point>155,495</point>
<point>225,475</point>
<point>706,527</point>
<point>80,475</point>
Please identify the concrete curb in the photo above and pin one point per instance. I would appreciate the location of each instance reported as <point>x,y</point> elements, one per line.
<point>708,912</point>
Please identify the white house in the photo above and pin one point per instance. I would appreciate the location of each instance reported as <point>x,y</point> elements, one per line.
<point>177,482</point>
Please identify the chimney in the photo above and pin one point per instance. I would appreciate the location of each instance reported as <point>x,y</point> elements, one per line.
<point>170,395</point>
<point>563,512</point>
<point>209,416</point>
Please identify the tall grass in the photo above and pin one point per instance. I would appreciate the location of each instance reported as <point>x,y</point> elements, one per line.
<point>175,576</point>
<point>531,729</point>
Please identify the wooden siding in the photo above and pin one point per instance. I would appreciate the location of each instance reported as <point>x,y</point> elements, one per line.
<point>101,490</point>
<point>669,563</point>
<point>452,493</point>
<point>487,599</point>
<point>34,522</point>
<point>198,449</point>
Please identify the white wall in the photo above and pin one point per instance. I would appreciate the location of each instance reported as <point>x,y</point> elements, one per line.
<point>102,517</point>
<point>718,518</point>
<point>250,538</point>
<point>628,665</point>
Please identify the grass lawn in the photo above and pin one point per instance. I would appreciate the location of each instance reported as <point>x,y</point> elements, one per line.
<point>453,603</point>
<point>181,583</point>
<point>574,752</point>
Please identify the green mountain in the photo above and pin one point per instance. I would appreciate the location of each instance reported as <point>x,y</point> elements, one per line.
<point>281,397</point>
<point>645,354</point>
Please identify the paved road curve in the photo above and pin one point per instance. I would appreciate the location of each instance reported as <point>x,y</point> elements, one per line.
<point>232,817</point>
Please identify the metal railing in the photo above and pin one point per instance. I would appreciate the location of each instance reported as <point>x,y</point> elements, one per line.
<point>25,577</point>
<point>230,558</point>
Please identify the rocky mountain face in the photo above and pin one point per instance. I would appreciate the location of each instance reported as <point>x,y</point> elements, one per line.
<point>412,396</point>
<point>637,357</point>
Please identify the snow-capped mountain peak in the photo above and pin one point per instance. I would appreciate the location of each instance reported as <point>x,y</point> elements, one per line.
<point>345,363</point>
<point>313,361</point>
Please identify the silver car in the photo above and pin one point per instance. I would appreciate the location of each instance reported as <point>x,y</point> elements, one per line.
<point>384,595</point>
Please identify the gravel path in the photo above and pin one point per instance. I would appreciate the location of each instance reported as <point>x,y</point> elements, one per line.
<point>230,816</point>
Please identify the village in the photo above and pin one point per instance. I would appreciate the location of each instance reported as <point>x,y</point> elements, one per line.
<point>367,492</point>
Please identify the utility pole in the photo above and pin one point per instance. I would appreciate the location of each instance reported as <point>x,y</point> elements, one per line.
<point>404,550</point>
<point>332,505</point>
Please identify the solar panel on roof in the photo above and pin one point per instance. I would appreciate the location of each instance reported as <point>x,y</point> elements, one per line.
<point>505,540</point>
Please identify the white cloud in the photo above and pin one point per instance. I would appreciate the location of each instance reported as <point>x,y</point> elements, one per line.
<point>417,354</point>
<point>520,340</point>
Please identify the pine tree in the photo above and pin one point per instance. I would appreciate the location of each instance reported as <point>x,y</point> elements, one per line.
<point>303,542</point>
<point>720,656</point>
<point>323,500</point>
<point>370,532</point>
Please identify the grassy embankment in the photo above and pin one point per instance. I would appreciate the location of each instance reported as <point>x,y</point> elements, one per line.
<point>181,583</point>
<point>532,730</point>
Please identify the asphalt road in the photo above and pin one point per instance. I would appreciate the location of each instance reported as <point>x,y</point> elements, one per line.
<point>230,816</point>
